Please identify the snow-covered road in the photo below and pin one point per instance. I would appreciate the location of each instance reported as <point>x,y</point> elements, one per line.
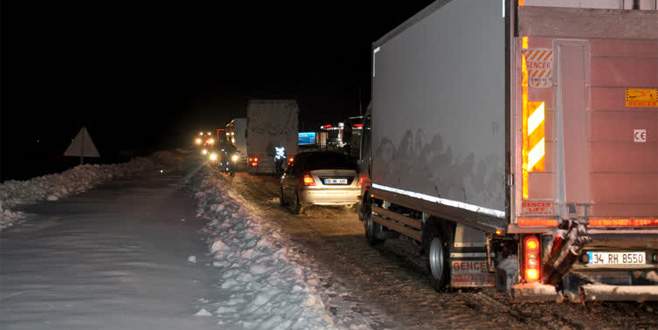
<point>385,287</point>
<point>111,258</point>
<point>143,253</point>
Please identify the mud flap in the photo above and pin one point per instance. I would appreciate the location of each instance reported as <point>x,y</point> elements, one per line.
<point>507,273</point>
<point>468,259</point>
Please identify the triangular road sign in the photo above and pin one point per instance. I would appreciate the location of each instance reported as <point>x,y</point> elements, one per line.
<point>82,146</point>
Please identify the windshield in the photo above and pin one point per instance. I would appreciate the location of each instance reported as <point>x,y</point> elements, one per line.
<point>329,160</point>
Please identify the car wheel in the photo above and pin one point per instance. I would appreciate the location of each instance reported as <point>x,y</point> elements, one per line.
<point>282,200</point>
<point>295,205</point>
<point>436,254</point>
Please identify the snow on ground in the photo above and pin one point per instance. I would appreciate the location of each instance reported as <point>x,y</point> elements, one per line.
<point>261,288</point>
<point>81,178</point>
<point>8,217</point>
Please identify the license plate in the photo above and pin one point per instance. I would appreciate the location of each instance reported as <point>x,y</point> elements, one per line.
<point>616,258</point>
<point>335,181</point>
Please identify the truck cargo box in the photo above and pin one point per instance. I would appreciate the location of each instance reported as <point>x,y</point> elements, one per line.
<point>270,124</point>
<point>439,112</point>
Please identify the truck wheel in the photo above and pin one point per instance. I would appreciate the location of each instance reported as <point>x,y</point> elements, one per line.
<point>372,228</point>
<point>295,205</point>
<point>437,260</point>
<point>282,200</point>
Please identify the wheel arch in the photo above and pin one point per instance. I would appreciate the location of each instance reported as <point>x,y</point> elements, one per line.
<point>445,228</point>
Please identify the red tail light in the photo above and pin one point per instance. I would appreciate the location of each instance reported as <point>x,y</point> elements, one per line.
<point>253,161</point>
<point>531,258</point>
<point>308,180</point>
<point>291,160</point>
<point>362,180</point>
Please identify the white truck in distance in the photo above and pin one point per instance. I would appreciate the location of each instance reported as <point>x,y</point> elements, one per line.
<point>270,124</point>
<point>516,143</point>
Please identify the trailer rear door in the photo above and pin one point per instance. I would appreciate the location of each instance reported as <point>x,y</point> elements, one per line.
<point>587,116</point>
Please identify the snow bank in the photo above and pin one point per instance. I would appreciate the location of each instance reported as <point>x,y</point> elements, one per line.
<point>76,180</point>
<point>8,217</point>
<point>261,287</point>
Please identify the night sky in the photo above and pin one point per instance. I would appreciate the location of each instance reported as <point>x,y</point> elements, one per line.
<point>143,76</point>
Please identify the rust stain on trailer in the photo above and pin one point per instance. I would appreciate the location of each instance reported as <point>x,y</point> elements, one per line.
<point>641,98</point>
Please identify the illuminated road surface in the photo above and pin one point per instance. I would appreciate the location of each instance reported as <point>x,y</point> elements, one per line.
<point>112,258</point>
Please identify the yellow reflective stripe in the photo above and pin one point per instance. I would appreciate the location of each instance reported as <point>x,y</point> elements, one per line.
<point>536,118</point>
<point>536,154</point>
<point>524,122</point>
<point>533,149</point>
<point>536,135</point>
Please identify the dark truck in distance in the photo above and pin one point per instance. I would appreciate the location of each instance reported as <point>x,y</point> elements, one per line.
<point>516,142</point>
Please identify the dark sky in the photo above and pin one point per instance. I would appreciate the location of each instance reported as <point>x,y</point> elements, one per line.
<point>142,75</point>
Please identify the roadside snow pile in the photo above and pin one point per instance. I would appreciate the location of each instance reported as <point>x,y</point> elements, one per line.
<point>260,286</point>
<point>76,180</point>
<point>8,217</point>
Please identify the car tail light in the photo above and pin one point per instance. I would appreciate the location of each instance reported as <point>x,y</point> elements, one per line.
<point>253,161</point>
<point>362,180</point>
<point>531,258</point>
<point>308,180</point>
<point>291,160</point>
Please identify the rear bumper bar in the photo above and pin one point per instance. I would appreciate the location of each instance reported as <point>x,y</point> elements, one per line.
<point>347,196</point>
<point>602,292</point>
<point>536,292</point>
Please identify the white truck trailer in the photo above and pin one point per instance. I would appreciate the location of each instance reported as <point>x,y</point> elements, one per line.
<point>236,134</point>
<point>270,124</point>
<point>516,143</point>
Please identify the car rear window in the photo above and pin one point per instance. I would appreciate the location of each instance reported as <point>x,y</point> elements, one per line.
<point>328,161</point>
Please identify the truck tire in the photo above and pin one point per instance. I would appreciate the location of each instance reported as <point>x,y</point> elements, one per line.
<point>372,229</point>
<point>436,254</point>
